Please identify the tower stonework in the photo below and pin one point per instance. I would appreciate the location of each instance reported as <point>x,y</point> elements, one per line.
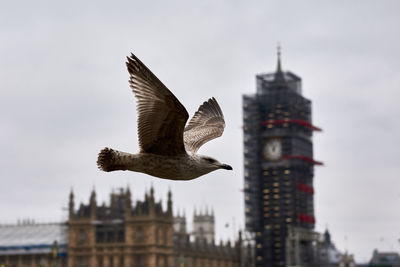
<point>121,234</point>
<point>180,224</point>
<point>203,227</point>
<point>278,165</point>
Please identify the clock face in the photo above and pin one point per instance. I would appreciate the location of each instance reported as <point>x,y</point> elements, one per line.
<point>272,149</point>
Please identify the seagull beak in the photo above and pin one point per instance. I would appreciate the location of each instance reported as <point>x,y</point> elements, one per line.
<point>226,167</point>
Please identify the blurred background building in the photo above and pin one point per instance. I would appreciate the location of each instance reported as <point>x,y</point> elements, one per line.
<point>30,244</point>
<point>120,234</point>
<point>279,170</point>
<point>385,259</point>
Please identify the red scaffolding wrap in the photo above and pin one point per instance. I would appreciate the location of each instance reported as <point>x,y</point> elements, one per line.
<point>305,188</point>
<point>305,158</point>
<point>306,218</point>
<point>301,122</point>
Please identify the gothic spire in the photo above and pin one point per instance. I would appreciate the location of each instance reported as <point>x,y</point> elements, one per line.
<point>279,76</point>
<point>93,196</point>
<point>93,203</point>
<point>71,197</point>
<point>71,203</point>
<point>169,194</point>
<point>278,50</point>
<point>128,201</point>
<point>169,202</point>
<point>152,192</point>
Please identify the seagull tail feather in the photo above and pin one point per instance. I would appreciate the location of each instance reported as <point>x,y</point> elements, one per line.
<point>107,159</point>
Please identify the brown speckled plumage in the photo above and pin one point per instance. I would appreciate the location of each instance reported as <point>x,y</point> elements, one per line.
<point>163,139</point>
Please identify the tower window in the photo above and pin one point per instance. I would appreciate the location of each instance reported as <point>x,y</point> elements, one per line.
<point>139,237</point>
<point>165,236</point>
<point>82,236</point>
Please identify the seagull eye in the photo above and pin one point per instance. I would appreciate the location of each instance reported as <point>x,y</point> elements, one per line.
<point>210,160</point>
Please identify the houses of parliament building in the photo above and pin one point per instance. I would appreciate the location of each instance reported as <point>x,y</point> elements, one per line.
<point>143,234</point>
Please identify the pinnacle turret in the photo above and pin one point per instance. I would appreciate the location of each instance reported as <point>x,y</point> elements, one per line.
<point>71,203</point>
<point>93,203</point>
<point>169,202</point>
<point>279,75</point>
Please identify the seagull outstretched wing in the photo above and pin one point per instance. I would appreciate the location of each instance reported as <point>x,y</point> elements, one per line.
<point>161,117</point>
<point>207,123</point>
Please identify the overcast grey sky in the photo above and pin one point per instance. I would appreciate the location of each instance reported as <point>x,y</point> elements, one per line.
<point>64,96</point>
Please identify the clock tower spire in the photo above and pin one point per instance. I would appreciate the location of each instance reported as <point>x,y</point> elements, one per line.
<point>279,77</point>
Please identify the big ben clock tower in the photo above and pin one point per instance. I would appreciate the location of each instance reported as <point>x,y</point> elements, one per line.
<point>278,165</point>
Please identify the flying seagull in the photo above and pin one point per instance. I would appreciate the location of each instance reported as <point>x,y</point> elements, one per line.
<point>167,148</point>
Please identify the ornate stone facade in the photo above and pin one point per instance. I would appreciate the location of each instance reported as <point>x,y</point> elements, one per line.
<point>140,235</point>
<point>119,235</point>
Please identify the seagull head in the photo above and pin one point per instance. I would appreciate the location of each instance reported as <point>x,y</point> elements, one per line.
<point>213,164</point>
